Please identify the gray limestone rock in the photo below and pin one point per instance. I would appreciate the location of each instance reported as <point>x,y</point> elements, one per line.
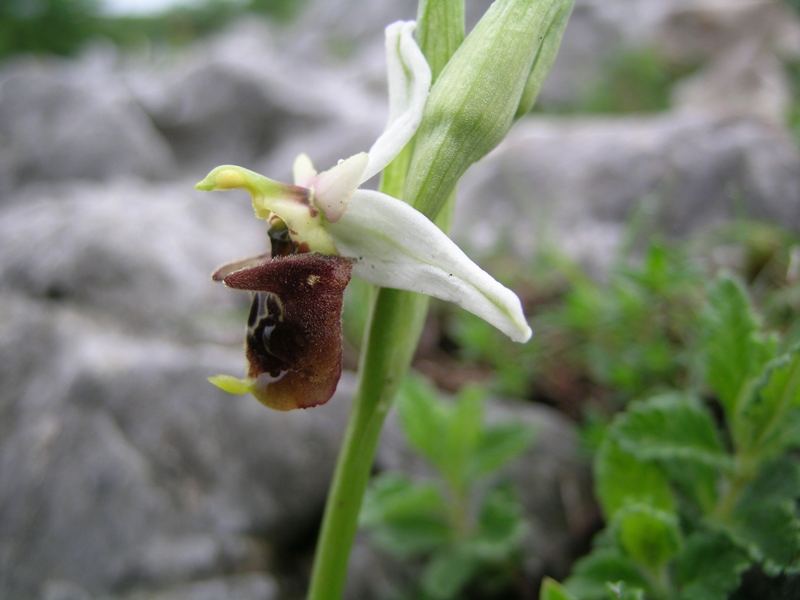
<point>572,183</point>
<point>74,120</point>
<point>137,253</point>
<point>123,471</point>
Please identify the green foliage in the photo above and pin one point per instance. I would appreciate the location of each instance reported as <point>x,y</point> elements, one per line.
<point>793,72</point>
<point>186,23</point>
<point>64,26</point>
<point>624,480</point>
<point>552,590</point>
<point>648,535</point>
<point>628,336</point>
<point>603,344</point>
<point>709,566</point>
<point>734,348</point>
<point>52,26</point>
<point>692,501</point>
<point>459,524</point>
<point>635,81</point>
<point>633,330</point>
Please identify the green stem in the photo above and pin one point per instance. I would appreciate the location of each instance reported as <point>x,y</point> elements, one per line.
<point>459,511</point>
<point>727,502</point>
<point>394,329</point>
<point>393,332</point>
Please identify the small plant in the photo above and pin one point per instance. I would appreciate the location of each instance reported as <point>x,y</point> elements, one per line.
<point>464,523</point>
<point>627,336</point>
<point>634,81</point>
<point>631,333</point>
<point>693,497</point>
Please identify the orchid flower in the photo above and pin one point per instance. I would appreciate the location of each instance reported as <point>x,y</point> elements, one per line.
<point>325,229</point>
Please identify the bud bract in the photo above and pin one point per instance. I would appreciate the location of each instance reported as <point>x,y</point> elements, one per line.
<point>493,76</point>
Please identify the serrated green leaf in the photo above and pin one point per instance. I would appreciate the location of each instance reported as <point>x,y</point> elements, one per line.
<point>762,430</point>
<point>447,573</point>
<point>789,432</point>
<point>734,350</point>
<point>499,445</point>
<point>591,573</point>
<point>670,427</point>
<point>621,479</point>
<point>406,518</point>
<point>696,482</point>
<point>649,536</point>
<point>552,590</point>
<point>676,430</point>
<point>424,418</point>
<point>765,517</point>
<point>709,567</point>
<point>393,496</point>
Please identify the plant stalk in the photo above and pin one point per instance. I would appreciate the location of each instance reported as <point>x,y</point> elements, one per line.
<point>393,331</point>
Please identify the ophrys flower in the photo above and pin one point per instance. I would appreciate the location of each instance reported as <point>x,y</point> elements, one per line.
<point>332,229</point>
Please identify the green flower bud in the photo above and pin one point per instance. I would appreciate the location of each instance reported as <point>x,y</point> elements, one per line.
<point>492,78</point>
<point>440,31</point>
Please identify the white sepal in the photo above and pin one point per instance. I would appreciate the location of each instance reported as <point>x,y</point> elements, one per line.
<point>334,188</point>
<point>409,79</point>
<point>303,171</point>
<point>396,246</point>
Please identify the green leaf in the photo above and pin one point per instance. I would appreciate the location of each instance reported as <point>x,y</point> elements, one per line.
<point>677,431</point>
<point>448,572</point>
<point>552,590</point>
<point>671,427</point>
<point>766,427</point>
<point>734,350</point>
<point>462,436</point>
<point>499,445</point>
<point>407,518</point>
<point>789,434</point>
<point>622,479</point>
<point>622,591</point>
<point>424,418</point>
<point>709,567</point>
<point>697,482</point>
<point>649,536</point>
<point>501,526</point>
<point>607,565</point>
<point>765,519</point>
<point>440,31</point>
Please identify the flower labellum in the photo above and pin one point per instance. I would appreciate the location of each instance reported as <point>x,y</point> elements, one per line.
<point>294,330</point>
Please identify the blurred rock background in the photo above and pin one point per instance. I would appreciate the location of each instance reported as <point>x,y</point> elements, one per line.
<point>123,474</point>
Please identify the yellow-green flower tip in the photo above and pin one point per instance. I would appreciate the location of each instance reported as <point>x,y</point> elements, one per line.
<point>232,385</point>
<point>226,177</point>
<point>232,177</point>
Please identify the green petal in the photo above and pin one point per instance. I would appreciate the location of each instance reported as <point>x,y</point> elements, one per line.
<point>290,202</point>
<point>231,384</point>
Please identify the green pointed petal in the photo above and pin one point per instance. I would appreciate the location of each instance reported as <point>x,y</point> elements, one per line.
<point>231,384</point>
<point>398,247</point>
<point>290,202</point>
